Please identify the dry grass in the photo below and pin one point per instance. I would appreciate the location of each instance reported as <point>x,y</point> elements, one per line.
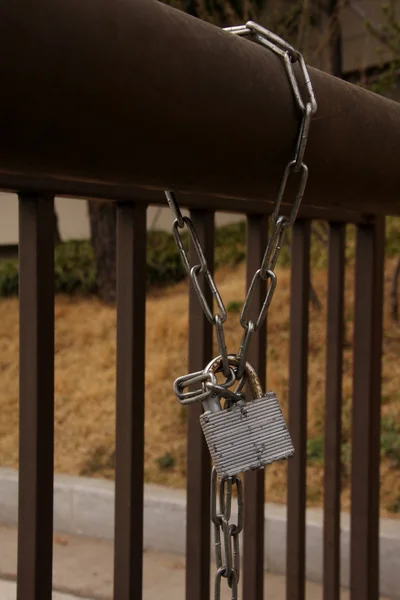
<point>85,383</point>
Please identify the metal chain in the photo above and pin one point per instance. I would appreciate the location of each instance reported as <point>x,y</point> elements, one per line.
<point>227,554</point>
<point>216,319</point>
<point>280,223</point>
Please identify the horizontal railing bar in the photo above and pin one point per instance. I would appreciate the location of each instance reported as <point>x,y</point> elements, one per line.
<point>227,108</point>
<point>119,193</point>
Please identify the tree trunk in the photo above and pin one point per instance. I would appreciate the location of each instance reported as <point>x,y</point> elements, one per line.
<point>335,42</point>
<point>103,222</point>
<point>57,236</point>
<point>394,299</point>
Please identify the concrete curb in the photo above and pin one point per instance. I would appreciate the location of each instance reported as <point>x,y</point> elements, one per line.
<point>86,506</point>
<point>8,591</point>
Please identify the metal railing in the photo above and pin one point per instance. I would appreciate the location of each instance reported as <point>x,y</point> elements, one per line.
<point>37,407</point>
<point>105,132</point>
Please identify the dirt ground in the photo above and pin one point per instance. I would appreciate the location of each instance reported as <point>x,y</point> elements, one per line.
<point>85,384</point>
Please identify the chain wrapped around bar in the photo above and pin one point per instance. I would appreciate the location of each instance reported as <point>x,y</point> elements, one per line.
<point>279,224</point>
<point>229,567</point>
<point>227,554</point>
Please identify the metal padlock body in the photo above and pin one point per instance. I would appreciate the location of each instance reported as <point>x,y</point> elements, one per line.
<point>248,435</point>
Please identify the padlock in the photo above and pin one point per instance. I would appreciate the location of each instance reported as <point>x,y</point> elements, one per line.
<point>247,435</point>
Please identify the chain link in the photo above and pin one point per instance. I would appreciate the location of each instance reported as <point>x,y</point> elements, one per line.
<point>227,554</point>
<point>209,386</point>
<point>175,208</point>
<point>216,319</point>
<point>194,272</point>
<point>285,51</point>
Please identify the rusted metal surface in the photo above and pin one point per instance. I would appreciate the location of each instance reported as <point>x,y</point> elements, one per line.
<point>364,565</point>
<point>253,535</point>
<point>333,406</point>
<point>198,457</point>
<point>94,113</point>
<point>252,378</point>
<point>296,490</point>
<point>131,323</point>
<point>36,417</point>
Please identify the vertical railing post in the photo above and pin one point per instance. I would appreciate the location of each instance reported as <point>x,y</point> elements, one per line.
<point>333,406</point>
<point>198,461</point>
<point>364,578</point>
<point>131,331</point>
<point>296,492</point>
<point>253,535</point>
<point>36,425</point>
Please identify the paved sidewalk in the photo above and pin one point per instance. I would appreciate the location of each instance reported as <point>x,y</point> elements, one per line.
<point>83,567</point>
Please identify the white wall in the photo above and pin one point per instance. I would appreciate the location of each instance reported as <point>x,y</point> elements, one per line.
<point>72,216</point>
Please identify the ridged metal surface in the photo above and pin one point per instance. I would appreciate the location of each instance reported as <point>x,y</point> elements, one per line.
<point>247,436</point>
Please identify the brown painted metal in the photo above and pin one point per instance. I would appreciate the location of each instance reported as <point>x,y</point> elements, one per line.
<point>364,577</point>
<point>36,423</point>
<point>296,491</point>
<point>198,456</point>
<point>333,406</point>
<point>88,79</point>
<point>131,332</point>
<point>253,535</point>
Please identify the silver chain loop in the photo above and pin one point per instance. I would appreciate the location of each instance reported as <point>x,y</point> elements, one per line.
<point>227,554</point>
<point>194,272</point>
<point>219,328</point>
<point>175,208</point>
<point>268,298</point>
<point>209,386</point>
<point>196,244</point>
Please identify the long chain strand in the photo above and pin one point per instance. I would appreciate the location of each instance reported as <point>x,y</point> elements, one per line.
<point>227,553</point>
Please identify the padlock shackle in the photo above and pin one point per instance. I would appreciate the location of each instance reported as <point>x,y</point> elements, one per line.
<point>251,374</point>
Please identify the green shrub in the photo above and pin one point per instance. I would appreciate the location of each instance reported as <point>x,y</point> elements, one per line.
<point>345,462</point>
<point>392,245</point>
<point>164,263</point>
<point>230,244</point>
<point>166,462</point>
<point>74,268</point>
<point>8,279</point>
<point>315,450</point>
<point>235,306</point>
<point>390,440</point>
